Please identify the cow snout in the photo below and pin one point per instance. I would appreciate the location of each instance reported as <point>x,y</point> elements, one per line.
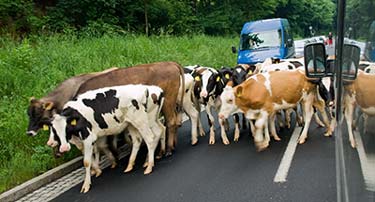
<point>31,133</point>
<point>203,94</point>
<point>64,148</point>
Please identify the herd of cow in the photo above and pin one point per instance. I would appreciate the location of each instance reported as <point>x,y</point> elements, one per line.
<point>85,109</point>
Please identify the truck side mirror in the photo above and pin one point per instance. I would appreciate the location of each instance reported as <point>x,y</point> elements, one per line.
<point>315,60</point>
<point>350,62</point>
<point>289,43</point>
<point>234,50</point>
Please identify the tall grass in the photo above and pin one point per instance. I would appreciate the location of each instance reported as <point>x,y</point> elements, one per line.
<point>36,65</point>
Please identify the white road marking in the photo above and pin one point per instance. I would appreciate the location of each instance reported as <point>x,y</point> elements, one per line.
<point>282,171</point>
<point>367,163</point>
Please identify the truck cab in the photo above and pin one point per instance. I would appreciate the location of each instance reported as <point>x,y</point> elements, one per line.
<point>263,39</point>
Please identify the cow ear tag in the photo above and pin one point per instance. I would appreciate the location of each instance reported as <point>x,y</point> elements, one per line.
<point>227,76</point>
<point>218,79</point>
<point>73,122</point>
<point>45,127</point>
<point>250,72</point>
<point>197,78</point>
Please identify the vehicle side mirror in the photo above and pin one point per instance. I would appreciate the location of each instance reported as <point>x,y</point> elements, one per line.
<point>350,61</point>
<point>315,60</point>
<point>289,43</point>
<point>234,50</point>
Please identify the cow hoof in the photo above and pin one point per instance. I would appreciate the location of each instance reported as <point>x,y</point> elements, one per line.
<point>202,133</point>
<point>168,153</point>
<point>327,134</point>
<point>212,141</point>
<point>276,138</point>
<point>302,140</point>
<point>114,164</point>
<point>226,142</point>
<point>194,142</point>
<point>98,172</point>
<point>236,139</point>
<point>93,172</point>
<point>148,170</point>
<point>261,146</point>
<point>85,188</point>
<point>128,169</point>
<point>145,164</point>
<point>353,144</point>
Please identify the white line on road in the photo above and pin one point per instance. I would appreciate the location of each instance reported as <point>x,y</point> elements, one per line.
<point>367,163</point>
<point>282,171</point>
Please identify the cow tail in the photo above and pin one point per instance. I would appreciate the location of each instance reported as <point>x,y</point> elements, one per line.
<point>182,74</point>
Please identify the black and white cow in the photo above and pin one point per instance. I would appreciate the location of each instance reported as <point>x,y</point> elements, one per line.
<point>209,84</point>
<point>109,111</point>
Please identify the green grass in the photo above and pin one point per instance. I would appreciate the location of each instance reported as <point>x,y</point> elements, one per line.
<point>36,65</point>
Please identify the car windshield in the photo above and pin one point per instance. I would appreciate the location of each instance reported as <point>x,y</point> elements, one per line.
<point>260,40</point>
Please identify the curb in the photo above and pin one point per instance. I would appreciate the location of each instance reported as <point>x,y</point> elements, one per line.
<point>43,179</point>
<point>34,184</point>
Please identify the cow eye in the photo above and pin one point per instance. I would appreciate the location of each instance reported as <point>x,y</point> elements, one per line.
<point>230,101</point>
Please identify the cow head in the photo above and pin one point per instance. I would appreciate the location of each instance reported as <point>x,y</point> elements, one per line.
<point>241,73</point>
<point>69,123</point>
<point>40,114</point>
<point>228,98</point>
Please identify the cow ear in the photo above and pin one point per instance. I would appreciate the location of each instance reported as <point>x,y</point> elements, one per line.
<point>48,106</point>
<point>32,100</point>
<point>239,91</point>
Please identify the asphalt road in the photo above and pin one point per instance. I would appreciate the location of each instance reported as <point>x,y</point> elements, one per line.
<point>229,173</point>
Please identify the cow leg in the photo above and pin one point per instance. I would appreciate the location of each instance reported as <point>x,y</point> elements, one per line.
<point>102,146</point>
<point>87,160</point>
<point>320,106</point>
<point>236,127</point>
<point>287,118</point>
<point>162,140</point>
<point>279,118</point>
<point>96,158</point>
<point>260,123</point>
<point>298,115</point>
<point>170,115</point>
<point>137,140</point>
<point>222,123</point>
<point>193,115</point>
<point>151,139</point>
<point>271,121</point>
<point>317,120</point>
<point>244,121</point>
<point>252,128</point>
<point>308,111</point>
<point>349,109</point>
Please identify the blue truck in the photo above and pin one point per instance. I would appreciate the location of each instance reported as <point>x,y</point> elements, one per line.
<point>263,39</point>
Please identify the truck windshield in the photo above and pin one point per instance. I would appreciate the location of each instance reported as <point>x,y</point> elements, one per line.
<point>260,40</point>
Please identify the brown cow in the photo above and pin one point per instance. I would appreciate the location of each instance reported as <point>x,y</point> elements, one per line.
<point>360,92</point>
<point>260,96</point>
<point>169,76</point>
<point>41,110</point>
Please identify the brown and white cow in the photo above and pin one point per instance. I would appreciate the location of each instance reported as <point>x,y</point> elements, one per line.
<point>262,95</point>
<point>169,76</point>
<point>361,93</point>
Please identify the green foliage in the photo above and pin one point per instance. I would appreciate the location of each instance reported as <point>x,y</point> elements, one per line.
<point>37,65</point>
<point>164,17</point>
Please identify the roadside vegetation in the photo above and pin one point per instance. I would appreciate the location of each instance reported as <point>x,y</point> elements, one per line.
<point>36,65</point>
